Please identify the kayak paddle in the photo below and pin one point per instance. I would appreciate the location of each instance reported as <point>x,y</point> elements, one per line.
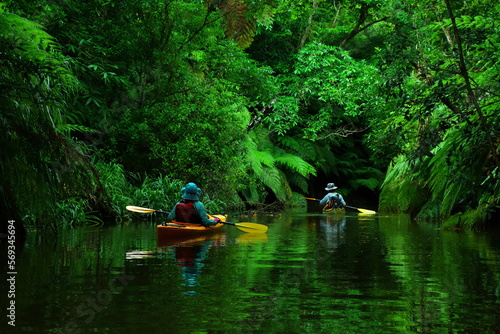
<point>245,227</point>
<point>347,206</point>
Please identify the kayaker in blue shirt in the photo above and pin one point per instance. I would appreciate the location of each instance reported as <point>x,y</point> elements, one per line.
<point>190,209</point>
<point>332,199</point>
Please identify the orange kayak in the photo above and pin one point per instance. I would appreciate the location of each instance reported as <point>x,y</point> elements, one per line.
<point>176,229</point>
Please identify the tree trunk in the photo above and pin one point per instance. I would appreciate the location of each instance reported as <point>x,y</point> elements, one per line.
<point>309,24</point>
<point>363,14</point>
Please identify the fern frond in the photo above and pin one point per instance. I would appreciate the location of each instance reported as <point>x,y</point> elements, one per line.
<point>239,25</point>
<point>399,171</point>
<point>252,194</point>
<point>276,181</point>
<point>264,158</point>
<point>400,191</point>
<point>75,127</point>
<point>445,182</point>
<point>439,170</point>
<point>346,164</point>
<point>296,163</point>
<point>299,181</point>
<point>327,161</point>
<point>304,148</point>
<point>450,197</point>
<point>370,183</point>
<point>276,167</point>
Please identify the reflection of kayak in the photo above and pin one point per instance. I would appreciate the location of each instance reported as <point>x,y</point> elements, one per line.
<point>337,211</point>
<point>216,236</point>
<point>173,228</point>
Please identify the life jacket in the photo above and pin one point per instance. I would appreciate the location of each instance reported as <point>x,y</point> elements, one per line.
<point>186,212</point>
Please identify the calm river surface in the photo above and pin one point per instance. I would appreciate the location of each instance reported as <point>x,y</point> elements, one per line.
<point>311,273</point>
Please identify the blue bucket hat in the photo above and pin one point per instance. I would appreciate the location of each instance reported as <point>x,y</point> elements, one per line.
<point>191,191</point>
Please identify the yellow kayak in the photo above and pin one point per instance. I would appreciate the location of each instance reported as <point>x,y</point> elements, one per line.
<point>174,229</point>
<point>334,210</point>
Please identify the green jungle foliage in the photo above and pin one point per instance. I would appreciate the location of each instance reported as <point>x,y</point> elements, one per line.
<point>40,164</point>
<point>114,103</point>
<point>448,167</point>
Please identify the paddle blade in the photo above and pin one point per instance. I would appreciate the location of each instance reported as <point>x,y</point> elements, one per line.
<point>371,212</point>
<point>367,211</point>
<point>139,209</point>
<point>252,227</point>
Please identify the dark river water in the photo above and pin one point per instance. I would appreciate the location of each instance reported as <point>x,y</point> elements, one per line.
<point>310,273</point>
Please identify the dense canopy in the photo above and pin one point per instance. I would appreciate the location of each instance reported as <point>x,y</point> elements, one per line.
<point>107,103</point>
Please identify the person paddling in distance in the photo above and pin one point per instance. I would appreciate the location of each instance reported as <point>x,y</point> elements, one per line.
<point>332,199</point>
<point>190,209</point>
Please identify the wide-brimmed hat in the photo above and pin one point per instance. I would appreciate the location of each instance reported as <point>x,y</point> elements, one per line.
<point>191,191</point>
<point>330,186</point>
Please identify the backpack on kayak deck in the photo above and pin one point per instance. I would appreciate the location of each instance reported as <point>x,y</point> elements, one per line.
<point>186,212</point>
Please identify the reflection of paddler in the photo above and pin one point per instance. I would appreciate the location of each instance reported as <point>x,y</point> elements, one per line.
<point>186,256</point>
<point>332,234</point>
<point>190,258</point>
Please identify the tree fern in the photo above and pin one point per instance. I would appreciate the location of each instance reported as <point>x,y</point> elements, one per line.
<point>449,178</point>
<point>274,179</point>
<point>296,164</point>
<point>327,160</point>
<point>371,183</point>
<point>305,149</point>
<point>253,193</point>
<point>401,189</point>
<point>263,158</point>
<point>440,169</point>
<point>399,170</point>
<point>298,181</point>
<point>240,26</point>
<point>274,167</point>
<point>435,187</point>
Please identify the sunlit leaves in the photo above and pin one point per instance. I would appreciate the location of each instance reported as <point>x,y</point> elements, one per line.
<point>285,114</point>
<point>329,79</point>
